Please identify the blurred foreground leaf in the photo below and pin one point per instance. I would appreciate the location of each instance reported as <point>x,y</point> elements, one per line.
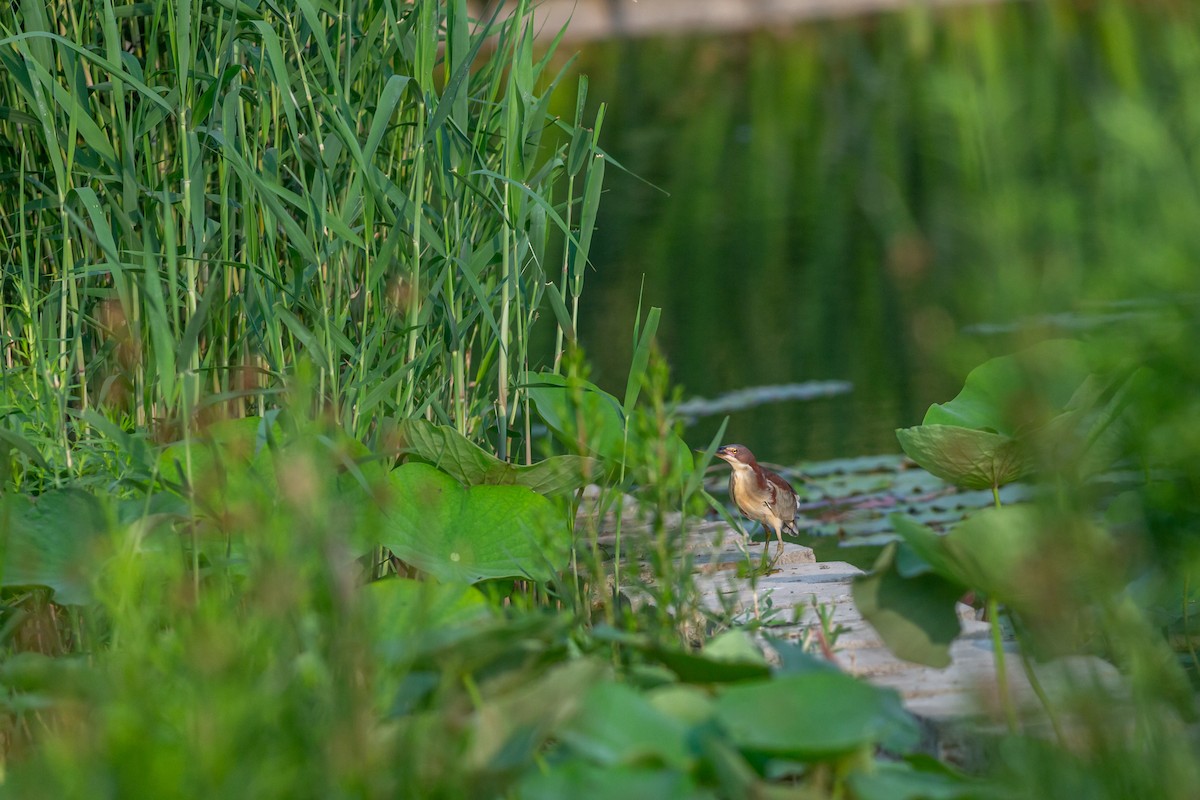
<point>510,728</point>
<point>927,780</point>
<point>915,616</point>
<point>48,541</point>
<point>402,607</point>
<point>218,448</point>
<point>619,725</point>
<point>814,715</point>
<point>578,779</point>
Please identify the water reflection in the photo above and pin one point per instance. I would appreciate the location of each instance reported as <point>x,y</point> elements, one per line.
<point>764,248</point>
<point>839,203</point>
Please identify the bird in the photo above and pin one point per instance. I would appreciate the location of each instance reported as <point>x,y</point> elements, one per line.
<point>759,493</point>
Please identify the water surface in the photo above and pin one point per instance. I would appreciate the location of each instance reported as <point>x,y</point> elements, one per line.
<point>846,200</point>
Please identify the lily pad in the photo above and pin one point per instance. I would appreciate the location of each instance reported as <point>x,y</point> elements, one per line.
<point>448,450</point>
<point>48,541</point>
<point>981,439</point>
<point>973,459</point>
<point>562,403</point>
<point>402,607</point>
<point>460,534</point>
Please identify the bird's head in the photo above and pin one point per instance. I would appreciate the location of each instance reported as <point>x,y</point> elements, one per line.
<point>735,454</point>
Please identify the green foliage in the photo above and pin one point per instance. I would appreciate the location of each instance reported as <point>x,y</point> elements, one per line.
<point>590,420</point>
<point>240,241</point>
<point>913,612</point>
<point>456,533</point>
<point>983,437</point>
<point>468,463</point>
<point>232,190</point>
<point>815,715</point>
<point>50,541</point>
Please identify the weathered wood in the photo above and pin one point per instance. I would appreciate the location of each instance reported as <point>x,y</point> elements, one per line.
<point>954,704</point>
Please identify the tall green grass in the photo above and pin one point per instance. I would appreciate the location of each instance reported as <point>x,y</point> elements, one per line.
<point>197,197</point>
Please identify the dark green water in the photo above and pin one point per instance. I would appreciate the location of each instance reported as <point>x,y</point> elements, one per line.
<point>845,200</point>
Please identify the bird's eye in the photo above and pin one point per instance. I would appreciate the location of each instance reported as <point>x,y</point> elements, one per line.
<point>731,449</point>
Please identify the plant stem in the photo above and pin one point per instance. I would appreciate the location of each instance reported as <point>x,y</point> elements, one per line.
<point>1036,684</point>
<point>1187,628</point>
<point>1010,711</point>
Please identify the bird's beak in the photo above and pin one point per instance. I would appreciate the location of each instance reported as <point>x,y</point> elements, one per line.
<point>722,453</point>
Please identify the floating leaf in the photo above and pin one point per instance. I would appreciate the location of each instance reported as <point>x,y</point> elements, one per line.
<point>466,462</point>
<point>814,715</point>
<point>914,615</point>
<point>460,534</point>
<point>48,541</point>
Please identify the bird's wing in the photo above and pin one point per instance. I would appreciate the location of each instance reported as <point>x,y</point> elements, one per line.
<point>769,492</point>
<point>782,497</point>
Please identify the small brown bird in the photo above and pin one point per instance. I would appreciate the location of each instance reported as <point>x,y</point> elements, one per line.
<point>759,493</point>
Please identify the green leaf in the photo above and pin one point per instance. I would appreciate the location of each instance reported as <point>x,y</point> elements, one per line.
<point>586,417</point>
<point>995,550</point>
<point>701,668</point>
<point>450,451</point>
<point>49,541</point>
<point>988,434</point>
<point>619,725</point>
<point>734,646</point>
<point>641,359</point>
<point>460,534</point>
<point>814,715</point>
<point>1002,394</point>
<point>218,448</point>
<point>401,608</point>
<point>900,781</point>
<point>578,779</point>
<point>969,458</point>
<point>915,616</point>
<point>563,402</point>
<point>924,551</point>
<point>509,729</point>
